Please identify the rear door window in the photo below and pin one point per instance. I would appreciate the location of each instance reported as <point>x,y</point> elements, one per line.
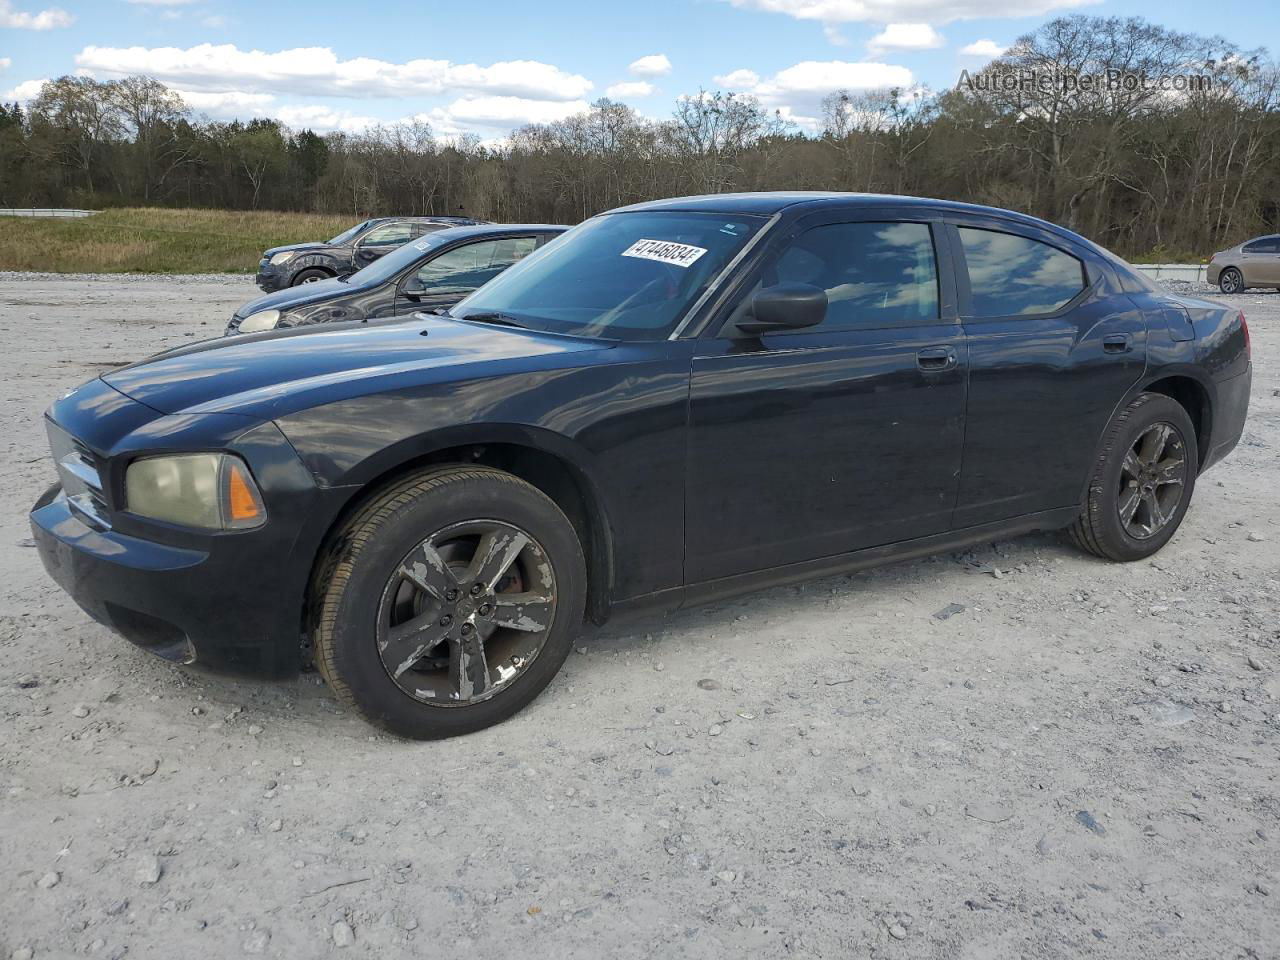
<point>1011,275</point>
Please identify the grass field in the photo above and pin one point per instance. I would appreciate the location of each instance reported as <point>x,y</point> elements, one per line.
<point>152,240</point>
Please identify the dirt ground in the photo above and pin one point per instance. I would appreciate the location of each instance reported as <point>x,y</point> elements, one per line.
<point>1084,762</point>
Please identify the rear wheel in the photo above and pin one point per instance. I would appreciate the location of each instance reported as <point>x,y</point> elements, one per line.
<point>1231,281</point>
<point>310,275</point>
<point>1142,483</point>
<point>450,602</point>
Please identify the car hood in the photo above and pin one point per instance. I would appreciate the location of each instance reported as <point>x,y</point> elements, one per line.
<point>297,248</point>
<point>270,374</point>
<point>298,296</point>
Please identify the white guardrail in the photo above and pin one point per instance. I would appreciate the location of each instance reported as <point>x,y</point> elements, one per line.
<point>1173,271</point>
<point>44,212</point>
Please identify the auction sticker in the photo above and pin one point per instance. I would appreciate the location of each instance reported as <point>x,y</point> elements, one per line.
<point>665,251</point>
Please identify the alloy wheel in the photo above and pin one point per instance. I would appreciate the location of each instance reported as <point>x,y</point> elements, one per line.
<point>1152,478</point>
<point>466,612</point>
<point>1229,282</point>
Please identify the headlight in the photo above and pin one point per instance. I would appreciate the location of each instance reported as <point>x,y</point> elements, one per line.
<point>280,258</point>
<point>213,491</point>
<point>262,320</point>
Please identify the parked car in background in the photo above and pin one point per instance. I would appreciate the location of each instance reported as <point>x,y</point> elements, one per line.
<point>298,263</point>
<point>1254,263</point>
<point>432,273</point>
<point>673,402</point>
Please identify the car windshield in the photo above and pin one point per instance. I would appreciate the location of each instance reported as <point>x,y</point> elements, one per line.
<point>620,276</point>
<point>401,258</point>
<point>346,236</point>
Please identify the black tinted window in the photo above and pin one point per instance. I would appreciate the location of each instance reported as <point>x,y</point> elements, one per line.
<point>1011,275</point>
<point>875,274</point>
<point>464,269</point>
<point>1265,245</point>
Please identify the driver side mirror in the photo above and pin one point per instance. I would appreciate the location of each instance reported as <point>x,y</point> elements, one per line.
<point>787,306</point>
<point>414,289</point>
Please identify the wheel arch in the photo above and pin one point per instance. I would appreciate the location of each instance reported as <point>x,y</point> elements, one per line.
<point>545,460</point>
<point>1186,386</point>
<point>1193,395</point>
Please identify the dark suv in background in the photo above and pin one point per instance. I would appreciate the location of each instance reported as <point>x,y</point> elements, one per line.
<point>346,253</point>
<point>429,275</point>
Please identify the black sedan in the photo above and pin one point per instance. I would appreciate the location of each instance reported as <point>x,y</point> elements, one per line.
<point>672,402</point>
<point>298,263</point>
<point>430,274</point>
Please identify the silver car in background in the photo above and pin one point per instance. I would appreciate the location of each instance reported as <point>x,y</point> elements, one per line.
<point>1254,263</point>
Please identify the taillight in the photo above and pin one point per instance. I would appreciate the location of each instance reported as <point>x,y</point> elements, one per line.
<point>1248,344</point>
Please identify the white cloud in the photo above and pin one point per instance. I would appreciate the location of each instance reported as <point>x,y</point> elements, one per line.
<point>982,48</point>
<point>654,65</point>
<point>44,20</point>
<point>738,80</point>
<point>834,36</point>
<point>814,78</point>
<point>321,119</point>
<point>5,63</point>
<point>214,20</point>
<point>906,36</point>
<point>227,104</point>
<point>318,71</point>
<point>499,113</point>
<point>906,11</point>
<point>631,88</point>
<point>805,123</point>
<point>797,91</point>
<point>24,92</point>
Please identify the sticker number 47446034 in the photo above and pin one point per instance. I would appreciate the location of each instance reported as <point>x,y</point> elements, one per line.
<point>665,251</point>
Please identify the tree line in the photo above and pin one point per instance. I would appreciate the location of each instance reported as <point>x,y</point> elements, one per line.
<point>1140,167</point>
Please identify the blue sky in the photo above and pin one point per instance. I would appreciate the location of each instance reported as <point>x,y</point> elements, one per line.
<point>486,67</point>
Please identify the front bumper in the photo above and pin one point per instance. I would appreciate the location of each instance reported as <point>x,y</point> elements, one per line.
<point>210,607</point>
<point>270,279</point>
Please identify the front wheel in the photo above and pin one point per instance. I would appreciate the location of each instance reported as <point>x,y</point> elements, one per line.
<point>311,275</point>
<point>1142,483</point>
<point>1231,280</point>
<point>449,602</point>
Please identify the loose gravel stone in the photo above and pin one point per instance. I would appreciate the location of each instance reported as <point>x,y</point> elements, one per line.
<point>149,871</point>
<point>343,935</point>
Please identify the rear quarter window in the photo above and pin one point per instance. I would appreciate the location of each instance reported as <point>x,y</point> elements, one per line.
<point>1011,275</point>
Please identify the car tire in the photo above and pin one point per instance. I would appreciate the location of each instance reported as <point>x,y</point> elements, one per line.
<point>310,275</point>
<point>359,594</point>
<point>1138,458</point>
<point>1231,280</point>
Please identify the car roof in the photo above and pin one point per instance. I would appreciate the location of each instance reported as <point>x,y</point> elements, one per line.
<point>768,203</point>
<point>496,229</point>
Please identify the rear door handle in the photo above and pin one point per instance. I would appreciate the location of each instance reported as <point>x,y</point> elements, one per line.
<point>1116,343</point>
<point>936,359</point>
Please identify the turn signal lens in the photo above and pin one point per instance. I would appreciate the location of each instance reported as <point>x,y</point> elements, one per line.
<point>243,502</point>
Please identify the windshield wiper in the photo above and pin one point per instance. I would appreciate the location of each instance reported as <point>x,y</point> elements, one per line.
<point>501,319</point>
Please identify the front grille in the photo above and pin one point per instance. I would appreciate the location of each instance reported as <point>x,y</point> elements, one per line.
<point>79,474</point>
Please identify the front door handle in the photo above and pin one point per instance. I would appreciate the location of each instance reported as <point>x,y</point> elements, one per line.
<point>936,359</point>
<point>1116,343</point>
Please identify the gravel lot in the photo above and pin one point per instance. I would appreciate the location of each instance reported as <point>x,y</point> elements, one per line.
<point>1081,763</point>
